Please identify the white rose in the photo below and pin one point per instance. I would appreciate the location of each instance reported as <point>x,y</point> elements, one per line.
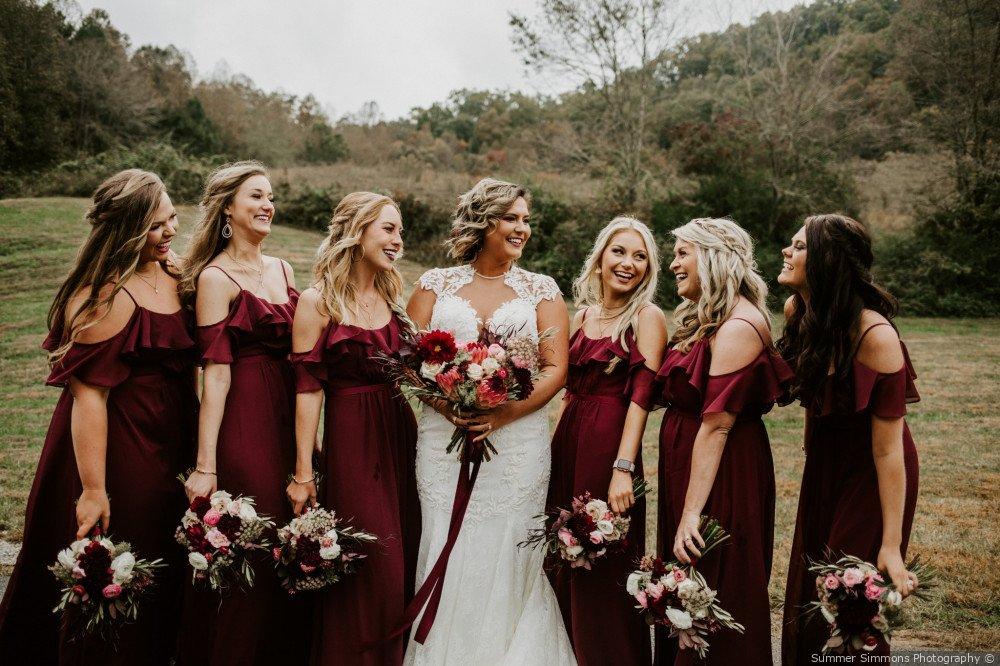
<point>474,371</point>
<point>78,546</point>
<point>669,582</point>
<point>67,559</point>
<point>330,553</point>
<point>596,509</point>
<point>606,527</point>
<point>490,365</point>
<point>122,566</point>
<point>109,544</point>
<point>573,551</point>
<point>636,581</point>
<point>234,507</point>
<point>331,535</point>
<point>893,599</point>
<point>247,512</point>
<point>686,586</point>
<point>197,561</point>
<point>430,370</point>
<point>219,499</point>
<point>680,619</point>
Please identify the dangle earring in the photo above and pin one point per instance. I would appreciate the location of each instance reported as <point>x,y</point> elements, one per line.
<point>227,229</point>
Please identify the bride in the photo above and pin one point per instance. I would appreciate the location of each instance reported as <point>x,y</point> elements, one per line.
<point>496,606</point>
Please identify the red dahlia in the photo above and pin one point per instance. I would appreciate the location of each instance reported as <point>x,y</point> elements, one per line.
<point>437,347</point>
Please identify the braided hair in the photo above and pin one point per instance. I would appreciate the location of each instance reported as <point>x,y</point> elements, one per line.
<point>477,214</point>
<point>820,332</point>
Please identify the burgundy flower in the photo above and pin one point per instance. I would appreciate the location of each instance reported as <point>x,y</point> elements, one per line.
<point>200,505</point>
<point>437,347</point>
<point>523,378</point>
<point>229,525</point>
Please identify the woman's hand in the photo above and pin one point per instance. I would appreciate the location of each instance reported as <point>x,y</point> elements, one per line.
<point>486,423</point>
<point>93,506</point>
<point>685,640</point>
<point>891,561</point>
<point>620,495</point>
<point>688,538</point>
<point>301,495</point>
<point>200,484</point>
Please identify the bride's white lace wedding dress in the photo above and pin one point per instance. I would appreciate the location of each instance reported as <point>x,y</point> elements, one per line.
<point>497,606</point>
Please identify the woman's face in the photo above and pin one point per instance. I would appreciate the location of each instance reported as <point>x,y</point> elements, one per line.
<point>506,242</point>
<point>157,247</point>
<point>382,240</point>
<point>624,263</point>
<point>685,270</point>
<point>793,270</point>
<point>252,208</point>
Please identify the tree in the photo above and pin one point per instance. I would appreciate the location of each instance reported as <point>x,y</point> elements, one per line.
<point>611,48</point>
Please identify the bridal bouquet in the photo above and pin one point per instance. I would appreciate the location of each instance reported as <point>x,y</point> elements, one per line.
<point>220,533</point>
<point>585,533</point>
<point>679,597</point>
<point>316,550</point>
<point>858,603</point>
<point>102,583</point>
<point>474,378</point>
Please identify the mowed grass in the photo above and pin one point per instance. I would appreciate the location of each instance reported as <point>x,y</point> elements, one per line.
<point>955,425</point>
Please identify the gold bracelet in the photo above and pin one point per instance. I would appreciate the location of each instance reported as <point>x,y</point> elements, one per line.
<point>201,471</point>
<point>302,483</point>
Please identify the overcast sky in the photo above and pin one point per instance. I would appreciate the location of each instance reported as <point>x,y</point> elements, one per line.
<point>399,53</point>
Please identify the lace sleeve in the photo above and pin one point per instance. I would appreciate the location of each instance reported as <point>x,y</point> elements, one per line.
<point>432,280</point>
<point>544,288</point>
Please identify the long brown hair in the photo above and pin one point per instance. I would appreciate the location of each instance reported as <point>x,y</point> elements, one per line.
<point>338,251</point>
<point>207,241</point>
<point>820,332</point>
<point>120,218</point>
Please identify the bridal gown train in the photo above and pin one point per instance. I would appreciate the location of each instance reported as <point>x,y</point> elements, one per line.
<point>497,606</point>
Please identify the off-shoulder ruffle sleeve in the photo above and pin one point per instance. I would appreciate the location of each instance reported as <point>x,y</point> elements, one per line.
<point>885,394</point>
<point>219,342</point>
<point>312,368</point>
<point>640,381</point>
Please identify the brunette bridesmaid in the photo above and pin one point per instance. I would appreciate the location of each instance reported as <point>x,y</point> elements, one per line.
<point>244,302</point>
<point>853,376</point>
<point>121,348</point>
<point>719,376</point>
<point>614,352</point>
<point>349,317</point>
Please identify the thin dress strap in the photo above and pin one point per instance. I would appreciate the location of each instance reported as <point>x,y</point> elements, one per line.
<point>230,276</point>
<point>864,333</point>
<point>755,330</point>
<point>129,293</point>
<point>285,274</point>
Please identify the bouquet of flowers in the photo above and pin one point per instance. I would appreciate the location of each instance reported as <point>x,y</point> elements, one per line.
<point>474,378</point>
<point>858,603</point>
<point>316,550</point>
<point>220,533</point>
<point>584,533</point>
<point>102,583</point>
<point>679,597</point>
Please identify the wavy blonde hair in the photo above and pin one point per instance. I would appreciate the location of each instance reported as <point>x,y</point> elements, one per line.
<point>207,241</point>
<point>332,270</point>
<point>588,288</point>
<point>726,270</point>
<point>477,214</point>
<point>120,218</point>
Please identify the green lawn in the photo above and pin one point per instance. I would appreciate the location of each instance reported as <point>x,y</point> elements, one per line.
<point>955,426</point>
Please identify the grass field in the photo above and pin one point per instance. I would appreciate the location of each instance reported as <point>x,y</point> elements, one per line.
<point>955,426</point>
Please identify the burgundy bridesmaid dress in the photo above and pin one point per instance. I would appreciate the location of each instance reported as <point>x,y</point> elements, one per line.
<point>368,470</point>
<point>742,497</point>
<point>839,506</point>
<point>603,625</point>
<point>254,456</point>
<point>148,369</point>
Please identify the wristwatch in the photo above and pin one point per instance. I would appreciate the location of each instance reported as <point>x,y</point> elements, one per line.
<point>624,465</point>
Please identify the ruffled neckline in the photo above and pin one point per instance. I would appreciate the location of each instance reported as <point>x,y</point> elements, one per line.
<point>866,381</point>
<point>248,310</point>
<point>584,349</point>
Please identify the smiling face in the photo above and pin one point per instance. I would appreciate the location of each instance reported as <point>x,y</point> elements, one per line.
<point>252,208</point>
<point>382,240</point>
<point>685,270</point>
<point>793,270</point>
<point>624,264</point>
<point>507,240</point>
<point>162,231</point>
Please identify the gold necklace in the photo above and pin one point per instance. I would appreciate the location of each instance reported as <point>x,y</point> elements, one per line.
<point>156,280</point>
<point>258,271</point>
<point>614,318</point>
<point>367,307</point>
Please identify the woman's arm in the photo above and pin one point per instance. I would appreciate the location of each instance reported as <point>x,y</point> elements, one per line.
<point>735,345</point>
<point>306,330</point>
<point>651,339</point>
<point>215,293</point>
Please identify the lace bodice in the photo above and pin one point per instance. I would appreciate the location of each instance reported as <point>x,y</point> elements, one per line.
<point>455,313</point>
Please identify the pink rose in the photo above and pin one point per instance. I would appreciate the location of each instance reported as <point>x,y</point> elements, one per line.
<point>853,576</point>
<point>212,517</point>
<point>872,592</point>
<point>217,538</point>
<point>79,573</point>
<point>655,591</point>
<point>831,582</point>
<point>679,575</point>
<point>112,591</point>
<point>276,553</point>
<point>497,352</point>
<point>596,537</point>
<point>640,596</point>
<point>566,537</point>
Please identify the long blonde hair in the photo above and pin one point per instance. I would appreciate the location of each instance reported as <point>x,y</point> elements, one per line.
<point>120,218</point>
<point>588,288</point>
<point>332,270</point>
<point>477,214</point>
<point>726,270</point>
<point>207,241</point>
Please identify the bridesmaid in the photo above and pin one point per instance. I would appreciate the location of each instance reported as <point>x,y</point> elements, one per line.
<point>124,426</point>
<point>720,375</point>
<point>616,347</point>
<point>853,376</point>
<point>350,315</point>
<point>244,302</point>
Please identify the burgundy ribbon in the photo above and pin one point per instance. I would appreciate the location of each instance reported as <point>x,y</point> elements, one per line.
<point>431,589</point>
